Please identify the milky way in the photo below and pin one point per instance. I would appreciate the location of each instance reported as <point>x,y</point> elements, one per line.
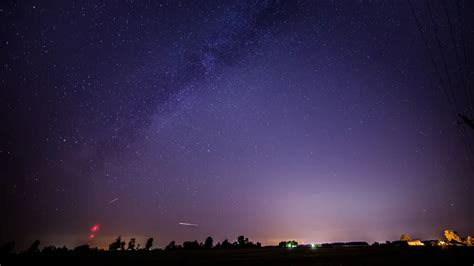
<point>310,120</point>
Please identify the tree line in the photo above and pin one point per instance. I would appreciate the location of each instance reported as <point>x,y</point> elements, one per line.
<point>242,242</point>
<point>452,238</point>
<point>120,245</point>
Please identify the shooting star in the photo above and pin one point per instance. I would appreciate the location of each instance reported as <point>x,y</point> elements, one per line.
<point>188,224</point>
<point>114,200</point>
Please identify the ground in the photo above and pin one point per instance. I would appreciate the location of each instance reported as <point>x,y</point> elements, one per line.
<point>264,256</point>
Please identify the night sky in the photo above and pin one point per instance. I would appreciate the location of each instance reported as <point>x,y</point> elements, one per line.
<point>319,121</point>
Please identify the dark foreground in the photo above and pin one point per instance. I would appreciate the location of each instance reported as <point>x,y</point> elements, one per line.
<point>263,256</point>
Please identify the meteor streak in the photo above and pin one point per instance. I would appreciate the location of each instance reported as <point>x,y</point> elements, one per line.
<point>188,224</point>
<point>114,200</point>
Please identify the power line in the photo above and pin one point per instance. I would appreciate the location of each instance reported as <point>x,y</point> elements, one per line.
<point>430,53</point>
<point>466,61</point>
<point>450,86</point>
<point>452,102</point>
<point>458,60</point>
<point>463,130</point>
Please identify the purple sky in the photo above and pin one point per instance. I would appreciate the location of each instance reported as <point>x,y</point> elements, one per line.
<point>310,120</point>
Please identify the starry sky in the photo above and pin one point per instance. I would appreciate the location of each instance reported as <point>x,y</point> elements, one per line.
<point>318,121</point>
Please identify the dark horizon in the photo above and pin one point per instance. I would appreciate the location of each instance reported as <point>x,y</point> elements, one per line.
<point>450,238</point>
<point>316,121</point>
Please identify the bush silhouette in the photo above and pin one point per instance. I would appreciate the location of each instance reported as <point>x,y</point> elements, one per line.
<point>117,244</point>
<point>191,245</point>
<point>131,244</point>
<point>82,249</point>
<point>226,244</point>
<point>149,243</point>
<point>405,237</point>
<point>171,246</point>
<point>243,242</point>
<point>34,247</point>
<point>49,249</point>
<point>288,244</point>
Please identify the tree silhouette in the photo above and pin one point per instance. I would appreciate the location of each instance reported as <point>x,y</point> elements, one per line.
<point>117,244</point>
<point>226,244</point>
<point>288,244</point>
<point>48,249</point>
<point>405,237</point>
<point>191,245</point>
<point>82,249</point>
<point>291,244</point>
<point>209,242</point>
<point>131,244</point>
<point>452,236</point>
<point>171,246</point>
<point>149,243</point>
<point>243,242</point>
<point>34,247</point>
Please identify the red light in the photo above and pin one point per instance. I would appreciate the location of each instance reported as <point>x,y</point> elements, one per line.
<point>91,236</point>
<point>95,228</point>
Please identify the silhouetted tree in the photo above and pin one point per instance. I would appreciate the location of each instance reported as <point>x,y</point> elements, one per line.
<point>209,242</point>
<point>292,244</point>
<point>288,244</point>
<point>117,244</point>
<point>49,249</point>
<point>242,241</point>
<point>191,245</point>
<point>34,247</point>
<point>171,245</point>
<point>405,237</point>
<point>226,244</point>
<point>149,243</point>
<point>452,236</point>
<point>7,247</point>
<point>131,244</point>
<point>82,249</point>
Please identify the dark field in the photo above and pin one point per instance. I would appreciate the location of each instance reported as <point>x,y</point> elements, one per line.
<point>264,256</point>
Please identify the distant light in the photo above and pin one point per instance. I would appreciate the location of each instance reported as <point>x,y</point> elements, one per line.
<point>94,228</point>
<point>313,245</point>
